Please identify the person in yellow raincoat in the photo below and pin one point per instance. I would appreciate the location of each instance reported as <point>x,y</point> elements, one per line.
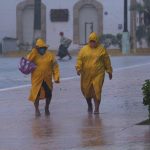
<point>41,77</point>
<point>92,62</point>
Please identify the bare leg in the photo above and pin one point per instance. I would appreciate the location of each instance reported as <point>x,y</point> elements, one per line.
<point>69,54</point>
<point>60,58</point>
<point>90,107</point>
<point>96,101</point>
<point>97,104</point>
<point>37,111</point>
<point>48,94</point>
<point>48,100</point>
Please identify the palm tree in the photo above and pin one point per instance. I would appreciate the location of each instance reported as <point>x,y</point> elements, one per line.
<point>133,26</point>
<point>143,30</point>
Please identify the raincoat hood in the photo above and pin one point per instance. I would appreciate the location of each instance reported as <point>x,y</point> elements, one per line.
<point>41,43</point>
<point>93,37</point>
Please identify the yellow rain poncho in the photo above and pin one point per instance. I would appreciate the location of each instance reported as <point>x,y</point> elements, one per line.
<point>92,64</point>
<point>47,68</point>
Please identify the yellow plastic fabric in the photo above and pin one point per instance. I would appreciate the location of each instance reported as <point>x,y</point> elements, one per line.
<point>92,64</point>
<point>47,68</point>
<point>41,43</point>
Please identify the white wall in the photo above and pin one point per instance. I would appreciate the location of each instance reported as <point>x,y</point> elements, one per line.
<point>115,9</point>
<point>8,18</point>
<point>53,28</point>
<point>115,16</point>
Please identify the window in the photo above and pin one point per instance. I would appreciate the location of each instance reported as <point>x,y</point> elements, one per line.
<point>59,15</point>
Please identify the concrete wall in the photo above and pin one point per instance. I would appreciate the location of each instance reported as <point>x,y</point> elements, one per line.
<point>9,44</point>
<point>8,18</point>
<point>110,22</point>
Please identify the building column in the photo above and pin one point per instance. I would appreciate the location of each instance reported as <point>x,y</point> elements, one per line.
<point>125,34</point>
<point>37,19</point>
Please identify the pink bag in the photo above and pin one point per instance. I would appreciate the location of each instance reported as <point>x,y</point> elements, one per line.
<point>26,66</point>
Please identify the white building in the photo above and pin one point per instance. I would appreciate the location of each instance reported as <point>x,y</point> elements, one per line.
<point>79,18</point>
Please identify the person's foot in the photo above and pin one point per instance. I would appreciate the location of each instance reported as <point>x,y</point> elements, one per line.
<point>37,113</point>
<point>59,58</point>
<point>90,106</point>
<point>90,110</point>
<point>96,112</point>
<point>70,57</point>
<point>47,113</point>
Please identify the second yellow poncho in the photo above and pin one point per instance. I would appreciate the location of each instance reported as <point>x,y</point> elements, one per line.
<point>92,64</point>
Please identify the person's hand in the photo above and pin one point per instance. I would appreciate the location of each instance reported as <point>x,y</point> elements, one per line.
<point>57,81</point>
<point>110,75</point>
<point>78,73</point>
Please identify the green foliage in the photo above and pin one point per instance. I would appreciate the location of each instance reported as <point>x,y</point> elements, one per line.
<point>148,36</point>
<point>146,94</point>
<point>140,32</point>
<point>146,5</point>
<point>139,8</point>
<point>143,31</point>
<point>119,40</point>
<point>109,39</point>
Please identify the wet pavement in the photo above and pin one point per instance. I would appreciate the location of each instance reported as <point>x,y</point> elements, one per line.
<point>69,126</point>
<point>11,77</point>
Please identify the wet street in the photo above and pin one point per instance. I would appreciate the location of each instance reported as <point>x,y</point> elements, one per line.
<point>69,126</point>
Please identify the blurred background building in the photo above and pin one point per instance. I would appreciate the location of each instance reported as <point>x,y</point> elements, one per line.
<point>76,18</point>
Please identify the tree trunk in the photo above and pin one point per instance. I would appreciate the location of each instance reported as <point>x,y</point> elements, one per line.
<point>149,111</point>
<point>133,26</point>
